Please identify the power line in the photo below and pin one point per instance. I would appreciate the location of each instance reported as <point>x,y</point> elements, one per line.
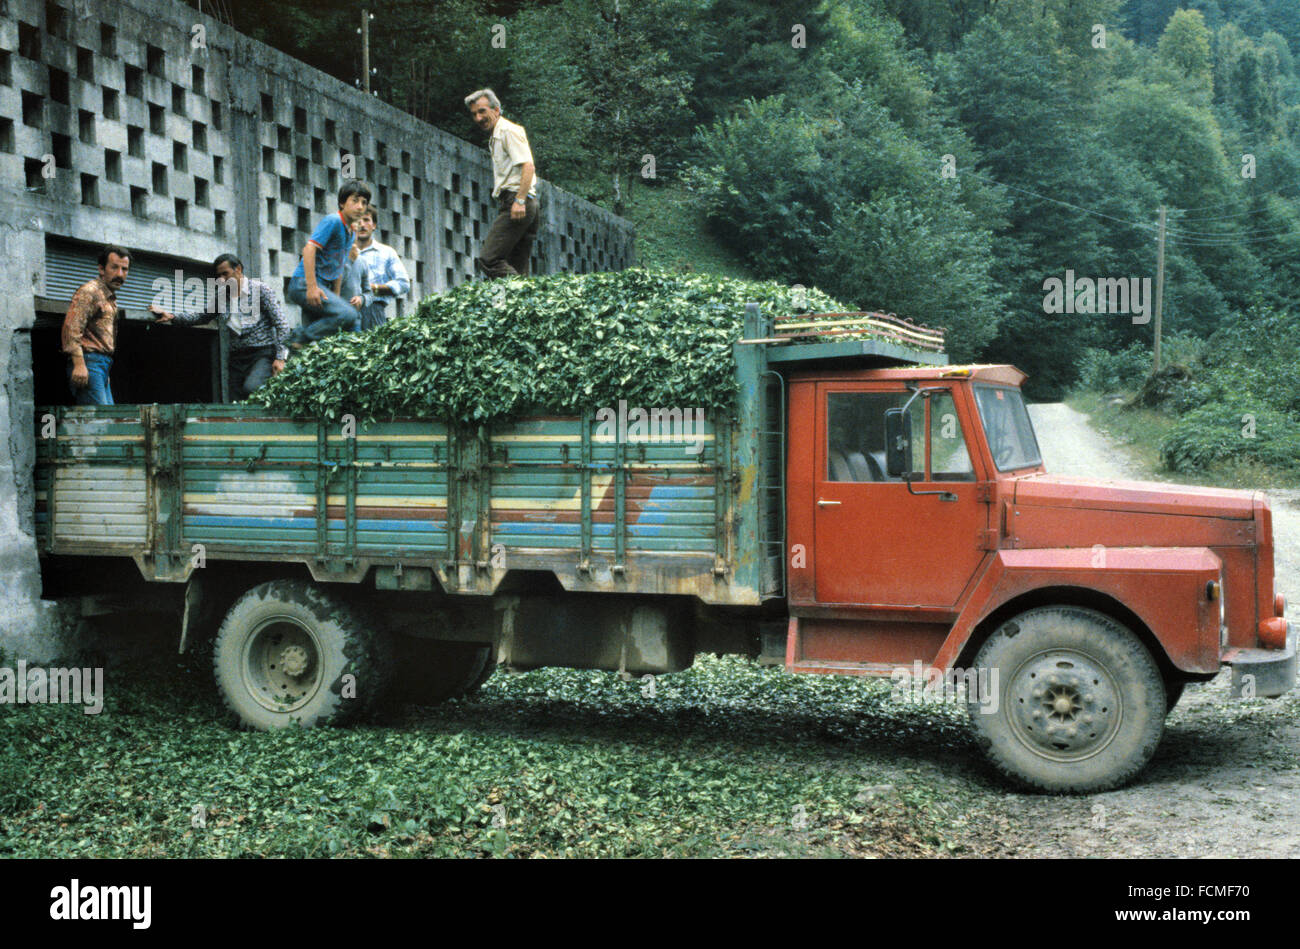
<point>1224,217</point>
<point>1196,242</point>
<point>1260,232</point>
<point>1181,235</point>
<point>1210,207</point>
<point>1043,197</point>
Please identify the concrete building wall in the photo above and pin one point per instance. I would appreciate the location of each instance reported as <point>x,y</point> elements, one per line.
<point>170,133</point>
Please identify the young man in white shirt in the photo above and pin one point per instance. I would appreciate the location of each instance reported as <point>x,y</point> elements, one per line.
<point>509,241</point>
<point>388,277</point>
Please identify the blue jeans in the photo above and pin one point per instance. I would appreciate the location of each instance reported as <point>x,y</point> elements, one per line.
<point>374,315</point>
<point>97,392</point>
<point>336,315</point>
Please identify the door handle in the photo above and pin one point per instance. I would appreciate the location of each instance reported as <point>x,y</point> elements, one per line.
<point>821,503</point>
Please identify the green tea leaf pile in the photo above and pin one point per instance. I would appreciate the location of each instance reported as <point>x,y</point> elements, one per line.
<point>565,343</point>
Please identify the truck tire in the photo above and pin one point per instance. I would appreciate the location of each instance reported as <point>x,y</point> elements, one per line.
<point>489,667</point>
<point>1081,703</point>
<point>433,671</point>
<point>285,651</point>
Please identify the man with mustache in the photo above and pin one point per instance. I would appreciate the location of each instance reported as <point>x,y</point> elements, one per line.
<point>90,328</point>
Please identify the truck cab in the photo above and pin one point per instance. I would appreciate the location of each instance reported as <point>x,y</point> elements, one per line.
<point>924,527</point>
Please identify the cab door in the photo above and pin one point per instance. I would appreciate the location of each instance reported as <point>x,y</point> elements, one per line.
<point>876,543</point>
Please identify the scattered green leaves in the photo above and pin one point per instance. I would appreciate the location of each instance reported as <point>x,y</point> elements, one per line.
<point>727,759</point>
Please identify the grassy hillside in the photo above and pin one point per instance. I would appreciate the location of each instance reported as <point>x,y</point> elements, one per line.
<point>671,233</point>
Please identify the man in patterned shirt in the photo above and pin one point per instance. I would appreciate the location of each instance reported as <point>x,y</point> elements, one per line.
<point>258,328</point>
<point>90,328</point>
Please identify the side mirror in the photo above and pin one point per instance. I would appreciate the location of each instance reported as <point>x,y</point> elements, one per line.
<point>898,443</point>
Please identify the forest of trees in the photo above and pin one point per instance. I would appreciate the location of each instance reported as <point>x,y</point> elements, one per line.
<point>816,137</point>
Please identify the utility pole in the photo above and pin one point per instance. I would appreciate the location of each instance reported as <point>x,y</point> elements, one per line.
<point>1160,285</point>
<point>365,51</point>
<point>618,115</point>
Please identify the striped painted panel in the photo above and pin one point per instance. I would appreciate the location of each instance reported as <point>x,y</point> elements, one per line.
<point>99,504</point>
<point>250,482</point>
<point>536,494</point>
<point>92,489</point>
<point>253,481</point>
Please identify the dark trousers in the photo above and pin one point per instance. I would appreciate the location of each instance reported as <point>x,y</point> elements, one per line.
<point>509,243</point>
<point>246,369</point>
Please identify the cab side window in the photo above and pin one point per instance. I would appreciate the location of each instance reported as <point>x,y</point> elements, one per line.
<point>855,435</point>
<point>948,458</point>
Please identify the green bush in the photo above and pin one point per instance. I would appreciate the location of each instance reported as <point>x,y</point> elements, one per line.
<point>1181,349</point>
<point>1104,371</point>
<point>832,190</point>
<point>1238,431</point>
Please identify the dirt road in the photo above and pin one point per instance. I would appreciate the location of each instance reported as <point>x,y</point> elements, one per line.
<point>1226,779</point>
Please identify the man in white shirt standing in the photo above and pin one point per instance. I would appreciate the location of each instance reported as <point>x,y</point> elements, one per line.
<point>509,241</point>
<point>388,277</point>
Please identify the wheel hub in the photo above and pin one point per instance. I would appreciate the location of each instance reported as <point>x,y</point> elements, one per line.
<point>1065,705</point>
<point>282,666</point>
<point>293,659</point>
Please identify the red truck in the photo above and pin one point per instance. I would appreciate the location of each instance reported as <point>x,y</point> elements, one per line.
<point>852,516</point>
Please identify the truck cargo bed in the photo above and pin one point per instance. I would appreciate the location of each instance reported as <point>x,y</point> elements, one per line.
<point>548,493</point>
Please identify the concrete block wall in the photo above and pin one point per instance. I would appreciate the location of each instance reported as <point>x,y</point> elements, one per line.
<point>170,133</point>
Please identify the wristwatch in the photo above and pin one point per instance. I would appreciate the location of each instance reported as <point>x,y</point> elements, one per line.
<point>519,200</point>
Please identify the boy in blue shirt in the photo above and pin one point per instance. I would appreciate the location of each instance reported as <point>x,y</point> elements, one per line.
<point>315,283</point>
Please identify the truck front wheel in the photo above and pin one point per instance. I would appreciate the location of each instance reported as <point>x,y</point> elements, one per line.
<point>1080,703</point>
<point>289,653</point>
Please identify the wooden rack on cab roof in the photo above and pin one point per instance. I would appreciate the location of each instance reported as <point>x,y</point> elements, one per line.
<point>857,324</point>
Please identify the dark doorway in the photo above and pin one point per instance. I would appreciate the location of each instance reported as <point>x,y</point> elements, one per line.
<point>152,364</point>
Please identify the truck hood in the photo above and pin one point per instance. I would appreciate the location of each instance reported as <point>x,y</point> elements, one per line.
<point>1059,511</point>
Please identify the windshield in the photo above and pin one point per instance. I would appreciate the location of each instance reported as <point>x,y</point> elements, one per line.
<point>1006,423</point>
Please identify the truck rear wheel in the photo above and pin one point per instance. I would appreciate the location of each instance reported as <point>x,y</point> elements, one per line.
<point>432,671</point>
<point>1080,701</point>
<point>489,667</point>
<point>289,653</point>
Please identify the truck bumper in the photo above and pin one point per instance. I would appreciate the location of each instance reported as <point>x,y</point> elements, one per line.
<point>1272,671</point>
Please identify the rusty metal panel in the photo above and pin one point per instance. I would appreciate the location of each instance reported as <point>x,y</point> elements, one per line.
<point>99,504</point>
<point>97,488</point>
<point>323,472</point>
<point>745,460</point>
<point>620,507</point>
<point>248,485</point>
<point>584,558</point>
<point>256,480</point>
<point>163,439</point>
